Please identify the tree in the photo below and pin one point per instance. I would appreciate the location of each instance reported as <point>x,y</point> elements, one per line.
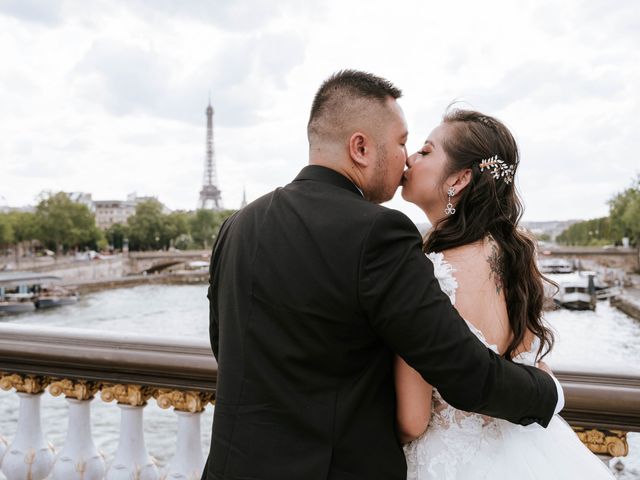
<point>6,231</point>
<point>116,235</point>
<point>206,224</point>
<point>592,232</point>
<point>146,226</point>
<point>176,226</point>
<point>24,224</point>
<point>624,211</point>
<point>64,224</point>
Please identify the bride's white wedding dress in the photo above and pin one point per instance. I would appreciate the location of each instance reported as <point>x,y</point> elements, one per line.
<point>467,446</point>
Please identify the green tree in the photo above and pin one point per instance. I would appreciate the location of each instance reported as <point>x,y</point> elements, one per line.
<point>24,224</point>
<point>176,226</point>
<point>116,235</point>
<point>592,232</point>
<point>624,211</point>
<point>6,231</point>
<point>205,225</point>
<point>147,226</point>
<point>63,224</point>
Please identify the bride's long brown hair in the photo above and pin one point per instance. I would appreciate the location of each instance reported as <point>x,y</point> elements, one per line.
<point>490,206</point>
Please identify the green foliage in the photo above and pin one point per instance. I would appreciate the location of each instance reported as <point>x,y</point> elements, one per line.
<point>147,226</point>
<point>624,211</point>
<point>63,224</point>
<point>6,230</point>
<point>177,226</point>
<point>205,225</point>
<point>116,234</point>
<point>595,232</point>
<point>24,225</point>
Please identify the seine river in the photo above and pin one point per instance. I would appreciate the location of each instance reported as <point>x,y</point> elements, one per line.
<point>605,337</point>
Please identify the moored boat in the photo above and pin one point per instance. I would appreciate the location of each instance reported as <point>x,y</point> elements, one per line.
<point>26,291</point>
<point>576,291</point>
<point>555,265</point>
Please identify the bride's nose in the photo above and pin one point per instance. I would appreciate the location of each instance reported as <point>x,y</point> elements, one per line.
<point>411,160</point>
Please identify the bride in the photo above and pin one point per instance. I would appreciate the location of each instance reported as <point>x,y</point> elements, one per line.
<point>463,179</point>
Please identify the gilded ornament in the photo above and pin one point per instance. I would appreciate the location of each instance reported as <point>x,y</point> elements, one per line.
<point>189,401</point>
<point>604,442</point>
<point>24,383</point>
<point>134,395</point>
<point>78,389</point>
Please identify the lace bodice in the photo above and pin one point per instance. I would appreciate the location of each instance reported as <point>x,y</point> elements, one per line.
<point>454,436</point>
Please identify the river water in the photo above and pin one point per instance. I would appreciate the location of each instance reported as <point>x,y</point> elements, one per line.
<point>605,337</point>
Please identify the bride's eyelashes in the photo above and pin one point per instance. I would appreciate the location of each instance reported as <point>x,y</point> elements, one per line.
<point>423,152</point>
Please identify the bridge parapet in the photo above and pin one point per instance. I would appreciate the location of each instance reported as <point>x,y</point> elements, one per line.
<point>625,258</point>
<point>180,373</point>
<point>139,262</point>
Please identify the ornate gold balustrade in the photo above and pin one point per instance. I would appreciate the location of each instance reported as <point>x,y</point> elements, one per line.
<point>180,372</point>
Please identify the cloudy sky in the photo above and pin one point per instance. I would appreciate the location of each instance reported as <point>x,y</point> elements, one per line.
<point>108,97</point>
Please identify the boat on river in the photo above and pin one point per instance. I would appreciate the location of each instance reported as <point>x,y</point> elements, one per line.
<point>576,291</point>
<point>555,265</point>
<point>25,291</point>
<point>55,296</point>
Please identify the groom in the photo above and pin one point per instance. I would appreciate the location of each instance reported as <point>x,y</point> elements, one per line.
<point>313,289</point>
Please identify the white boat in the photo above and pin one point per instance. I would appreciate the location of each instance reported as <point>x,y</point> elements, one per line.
<point>576,291</point>
<point>555,265</point>
<point>26,291</point>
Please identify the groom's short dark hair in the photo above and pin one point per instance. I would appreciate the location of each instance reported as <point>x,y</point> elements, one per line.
<point>341,91</point>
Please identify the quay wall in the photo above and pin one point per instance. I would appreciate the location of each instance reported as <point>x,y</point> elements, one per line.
<point>182,278</point>
<point>90,269</point>
<point>628,305</point>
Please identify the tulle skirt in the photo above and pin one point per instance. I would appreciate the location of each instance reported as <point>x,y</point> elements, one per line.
<point>507,452</point>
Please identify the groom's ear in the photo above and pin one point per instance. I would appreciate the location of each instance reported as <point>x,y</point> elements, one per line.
<point>359,149</point>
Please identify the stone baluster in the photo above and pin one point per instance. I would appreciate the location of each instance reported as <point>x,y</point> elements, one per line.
<point>79,458</point>
<point>132,459</point>
<point>188,461</point>
<point>3,448</point>
<point>29,456</point>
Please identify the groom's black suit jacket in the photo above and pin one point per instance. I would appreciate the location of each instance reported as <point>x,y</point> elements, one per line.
<point>313,289</point>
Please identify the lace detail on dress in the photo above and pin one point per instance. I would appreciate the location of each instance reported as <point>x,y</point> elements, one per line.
<point>454,436</point>
<point>443,271</point>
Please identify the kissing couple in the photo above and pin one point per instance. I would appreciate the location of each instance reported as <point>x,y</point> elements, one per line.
<point>350,348</point>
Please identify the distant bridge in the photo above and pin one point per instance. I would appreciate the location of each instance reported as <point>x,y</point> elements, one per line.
<point>150,262</point>
<point>625,258</point>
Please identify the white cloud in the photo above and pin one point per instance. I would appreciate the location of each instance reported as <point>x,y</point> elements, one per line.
<point>111,100</point>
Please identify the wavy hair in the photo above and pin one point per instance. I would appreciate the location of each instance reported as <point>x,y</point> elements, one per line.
<point>489,206</point>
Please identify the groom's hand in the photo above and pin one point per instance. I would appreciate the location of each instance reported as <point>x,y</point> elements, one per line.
<point>545,368</point>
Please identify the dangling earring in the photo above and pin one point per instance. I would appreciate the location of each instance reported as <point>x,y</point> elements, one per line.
<point>450,210</point>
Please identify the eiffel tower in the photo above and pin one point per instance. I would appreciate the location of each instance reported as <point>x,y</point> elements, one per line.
<point>210,193</point>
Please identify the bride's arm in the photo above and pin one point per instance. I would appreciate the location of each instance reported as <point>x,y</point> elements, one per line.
<point>413,401</point>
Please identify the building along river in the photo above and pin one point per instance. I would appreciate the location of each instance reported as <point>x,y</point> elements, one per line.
<point>604,338</point>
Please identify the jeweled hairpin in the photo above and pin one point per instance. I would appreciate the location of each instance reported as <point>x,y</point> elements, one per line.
<point>498,168</point>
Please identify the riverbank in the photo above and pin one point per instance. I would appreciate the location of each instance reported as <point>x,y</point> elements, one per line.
<point>172,278</point>
<point>629,301</point>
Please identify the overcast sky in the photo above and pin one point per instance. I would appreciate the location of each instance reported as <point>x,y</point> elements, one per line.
<point>109,97</point>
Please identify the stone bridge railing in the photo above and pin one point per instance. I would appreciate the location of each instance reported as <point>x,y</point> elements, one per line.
<point>150,262</point>
<point>180,373</point>
<point>624,258</point>
<point>131,369</point>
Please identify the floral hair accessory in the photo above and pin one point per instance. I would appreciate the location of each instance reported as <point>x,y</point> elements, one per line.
<point>498,168</point>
